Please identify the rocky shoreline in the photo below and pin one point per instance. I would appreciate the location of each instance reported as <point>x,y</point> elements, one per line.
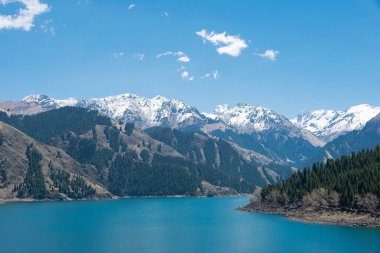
<point>328,217</point>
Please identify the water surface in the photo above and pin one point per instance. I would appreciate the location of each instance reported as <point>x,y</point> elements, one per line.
<point>168,225</point>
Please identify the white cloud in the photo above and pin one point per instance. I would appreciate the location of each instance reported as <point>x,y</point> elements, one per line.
<point>165,13</point>
<point>182,57</point>
<point>270,54</point>
<point>47,27</point>
<point>164,54</point>
<point>213,75</point>
<point>24,19</point>
<point>227,44</point>
<point>131,6</point>
<point>121,54</point>
<point>138,56</point>
<point>118,55</point>
<point>185,75</point>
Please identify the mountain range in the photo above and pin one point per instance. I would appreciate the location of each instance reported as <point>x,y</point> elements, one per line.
<point>291,141</point>
<point>326,125</point>
<point>118,159</point>
<point>232,149</point>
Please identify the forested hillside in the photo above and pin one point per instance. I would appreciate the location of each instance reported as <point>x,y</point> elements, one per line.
<point>127,161</point>
<point>350,183</point>
<point>32,170</point>
<point>220,155</point>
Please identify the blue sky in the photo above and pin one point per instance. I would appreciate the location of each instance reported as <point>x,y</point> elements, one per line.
<point>319,54</point>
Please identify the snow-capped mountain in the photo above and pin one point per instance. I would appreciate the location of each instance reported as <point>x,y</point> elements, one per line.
<point>144,112</point>
<point>49,103</point>
<point>264,131</point>
<point>354,141</point>
<point>248,119</point>
<point>158,111</point>
<point>330,124</point>
<point>251,127</point>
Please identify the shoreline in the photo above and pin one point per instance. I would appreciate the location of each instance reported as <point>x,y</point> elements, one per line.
<point>321,217</point>
<point>16,200</point>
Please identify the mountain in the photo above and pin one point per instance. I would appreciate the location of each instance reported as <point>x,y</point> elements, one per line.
<point>330,124</point>
<point>129,162</point>
<point>49,103</point>
<point>248,119</point>
<point>144,112</point>
<point>264,131</point>
<point>354,141</point>
<point>246,165</point>
<point>18,178</point>
<point>293,142</point>
<point>20,107</point>
<point>121,161</point>
<point>34,104</point>
<point>133,145</point>
<point>252,127</point>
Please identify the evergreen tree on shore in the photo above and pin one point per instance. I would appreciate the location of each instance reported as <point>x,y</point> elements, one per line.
<point>352,181</point>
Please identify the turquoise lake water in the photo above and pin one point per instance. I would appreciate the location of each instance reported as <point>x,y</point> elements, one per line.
<point>168,225</point>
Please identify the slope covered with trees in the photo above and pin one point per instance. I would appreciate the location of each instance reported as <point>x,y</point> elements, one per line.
<point>34,182</point>
<point>25,170</point>
<point>214,154</point>
<point>351,183</point>
<point>125,160</point>
<point>47,125</point>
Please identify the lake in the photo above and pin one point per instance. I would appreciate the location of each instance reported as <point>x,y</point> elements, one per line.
<point>168,225</point>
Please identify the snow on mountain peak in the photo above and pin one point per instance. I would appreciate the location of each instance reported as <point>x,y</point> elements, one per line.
<point>248,118</point>
<point>157,111</point>
<point>329,124</point>
<point>49,103</point>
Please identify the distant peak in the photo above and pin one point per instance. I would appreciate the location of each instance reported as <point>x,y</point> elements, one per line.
<point>242,104</point>
<point>49,103</point>
<point>33,98</point>
<point>329,124</point>
<point>124,95</point>
<point>159,97</point>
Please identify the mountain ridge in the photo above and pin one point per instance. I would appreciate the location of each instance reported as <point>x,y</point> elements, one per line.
<point>256,128</point>
<point>330,124</point>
